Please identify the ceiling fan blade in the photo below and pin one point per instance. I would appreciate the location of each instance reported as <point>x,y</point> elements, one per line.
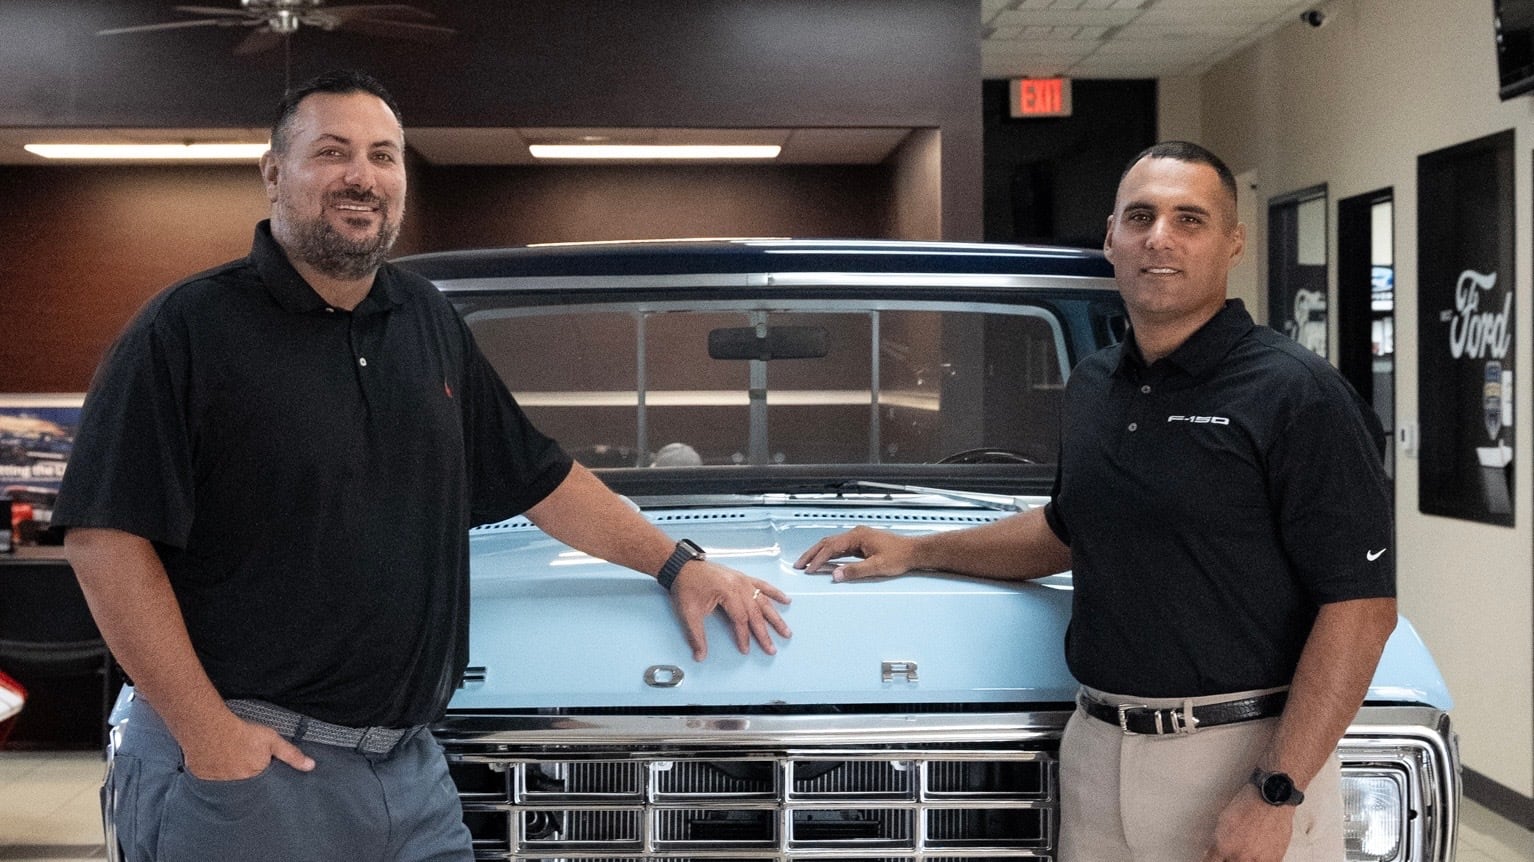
<point>430,33</point>
<point>395,11</point>
<point>214,10</point>
<point>169,25</point>
<point>258,40</point>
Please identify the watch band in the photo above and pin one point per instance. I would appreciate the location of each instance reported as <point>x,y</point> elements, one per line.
<point>686,551</point>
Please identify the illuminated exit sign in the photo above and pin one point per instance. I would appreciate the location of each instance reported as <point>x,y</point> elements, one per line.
<point>1041,97</point>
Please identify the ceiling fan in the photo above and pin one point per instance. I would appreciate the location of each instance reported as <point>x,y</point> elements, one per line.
<point>272,21</point>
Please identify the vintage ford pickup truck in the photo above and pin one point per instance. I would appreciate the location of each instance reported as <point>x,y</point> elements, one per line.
<point>755,396</point>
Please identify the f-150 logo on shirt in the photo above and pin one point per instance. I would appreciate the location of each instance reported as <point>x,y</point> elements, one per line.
<point>1200,420</point>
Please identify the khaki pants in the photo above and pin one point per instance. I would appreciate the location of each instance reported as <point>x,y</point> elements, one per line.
<point>1157,798</point>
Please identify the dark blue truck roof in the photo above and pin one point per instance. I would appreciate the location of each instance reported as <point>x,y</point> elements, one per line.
<point>671,257</point>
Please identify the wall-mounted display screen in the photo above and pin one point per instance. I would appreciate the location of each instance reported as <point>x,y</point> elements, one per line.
<point>1515,46</point>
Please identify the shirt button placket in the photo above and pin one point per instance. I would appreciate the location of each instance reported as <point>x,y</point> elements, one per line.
<point>1140,406</point>
<point>365,379</point>
<point>1144,390</point>
<point>357,341</point>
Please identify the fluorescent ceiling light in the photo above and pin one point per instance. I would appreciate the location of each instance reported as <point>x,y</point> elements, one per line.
<point>150,152</point>
<point>655,151</point>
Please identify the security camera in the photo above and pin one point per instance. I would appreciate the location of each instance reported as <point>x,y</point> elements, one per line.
<point>1313,17</point>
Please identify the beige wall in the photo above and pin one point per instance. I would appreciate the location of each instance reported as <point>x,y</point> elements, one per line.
<point>1352,105</point>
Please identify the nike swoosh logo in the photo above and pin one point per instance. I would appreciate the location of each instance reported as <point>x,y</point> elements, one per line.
<point>1371,556</point>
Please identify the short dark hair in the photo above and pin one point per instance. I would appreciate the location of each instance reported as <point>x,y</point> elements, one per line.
<point>339,81</point>
<point>1186,151</point>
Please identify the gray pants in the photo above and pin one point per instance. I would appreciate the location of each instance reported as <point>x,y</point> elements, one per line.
<point>400,807</point>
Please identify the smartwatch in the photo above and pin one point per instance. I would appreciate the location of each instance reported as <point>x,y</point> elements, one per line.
<point>1276,788</point>
<point>686,551</point>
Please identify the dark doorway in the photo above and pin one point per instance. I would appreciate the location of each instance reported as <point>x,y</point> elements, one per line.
<point>1366,303</point>
<point>1052,180</point>
<point>1297,267</point>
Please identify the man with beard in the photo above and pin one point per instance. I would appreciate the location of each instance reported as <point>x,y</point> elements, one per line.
<point>268,505</point>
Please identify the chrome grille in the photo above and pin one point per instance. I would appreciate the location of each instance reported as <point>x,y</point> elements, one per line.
<point>946,798</point>
<point>900,805</point>
<point>872,787</point>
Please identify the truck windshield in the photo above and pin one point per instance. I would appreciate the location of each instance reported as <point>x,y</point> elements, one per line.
<point>790,382</point>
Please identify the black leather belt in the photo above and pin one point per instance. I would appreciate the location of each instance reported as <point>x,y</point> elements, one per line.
<point>1137,719</point>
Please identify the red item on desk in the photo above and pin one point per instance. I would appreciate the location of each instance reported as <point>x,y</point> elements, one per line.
<point>19,512</point>
<point>12,697</point>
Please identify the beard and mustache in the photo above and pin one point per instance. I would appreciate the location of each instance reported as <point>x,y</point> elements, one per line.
<point>316,242</point>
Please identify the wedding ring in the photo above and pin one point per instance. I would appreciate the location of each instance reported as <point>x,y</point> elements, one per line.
<point>756,594</point>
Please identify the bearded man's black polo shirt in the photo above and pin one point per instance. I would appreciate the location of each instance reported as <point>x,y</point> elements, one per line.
<point>1213,501</point>
<point>308,476</point>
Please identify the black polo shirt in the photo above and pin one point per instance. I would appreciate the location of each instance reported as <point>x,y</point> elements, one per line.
<point>1212,502</point>
<point>308,476</point>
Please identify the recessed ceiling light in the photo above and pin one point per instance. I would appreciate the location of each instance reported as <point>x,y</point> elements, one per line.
<point>639,152</point>
<point>150,152</point>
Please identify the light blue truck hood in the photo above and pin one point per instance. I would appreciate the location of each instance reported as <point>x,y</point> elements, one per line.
<point>553,628</point>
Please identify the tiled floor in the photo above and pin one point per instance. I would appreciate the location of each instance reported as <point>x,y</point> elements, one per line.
<point>50,806</point>
<point>49,811</point>
<point>1485,837</point>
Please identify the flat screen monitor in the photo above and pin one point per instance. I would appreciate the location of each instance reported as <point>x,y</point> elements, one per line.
<point>1515,46</point>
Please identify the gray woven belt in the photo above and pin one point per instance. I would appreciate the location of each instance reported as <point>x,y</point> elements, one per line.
<point>365,740</point>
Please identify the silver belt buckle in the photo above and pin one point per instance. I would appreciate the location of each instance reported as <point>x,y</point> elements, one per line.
<point>1171,720</point>
<point>1124,709</point>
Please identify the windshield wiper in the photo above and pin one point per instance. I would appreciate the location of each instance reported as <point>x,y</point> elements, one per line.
<point>990,501</point>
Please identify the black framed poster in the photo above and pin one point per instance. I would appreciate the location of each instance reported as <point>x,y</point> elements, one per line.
<point>1297,267</point>
<point>1465,343</point>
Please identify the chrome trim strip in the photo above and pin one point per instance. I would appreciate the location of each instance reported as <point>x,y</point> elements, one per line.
<point>900,280</point>
<point>587,283</point>
<point>915,280</point>
<point>761,730</point>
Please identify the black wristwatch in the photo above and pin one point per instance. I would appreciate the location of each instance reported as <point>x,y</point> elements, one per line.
<point>1276,788</point>
<point>686,551</point>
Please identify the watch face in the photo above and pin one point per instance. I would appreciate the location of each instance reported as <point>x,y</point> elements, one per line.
<point>1277,789</point>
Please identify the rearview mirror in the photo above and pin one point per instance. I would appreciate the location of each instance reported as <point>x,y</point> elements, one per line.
<point>780,342</point>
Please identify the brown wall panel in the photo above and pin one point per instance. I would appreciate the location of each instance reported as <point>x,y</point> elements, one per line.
<point>82,248</point>
<point>513,206</point>
<point>917,182</point>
